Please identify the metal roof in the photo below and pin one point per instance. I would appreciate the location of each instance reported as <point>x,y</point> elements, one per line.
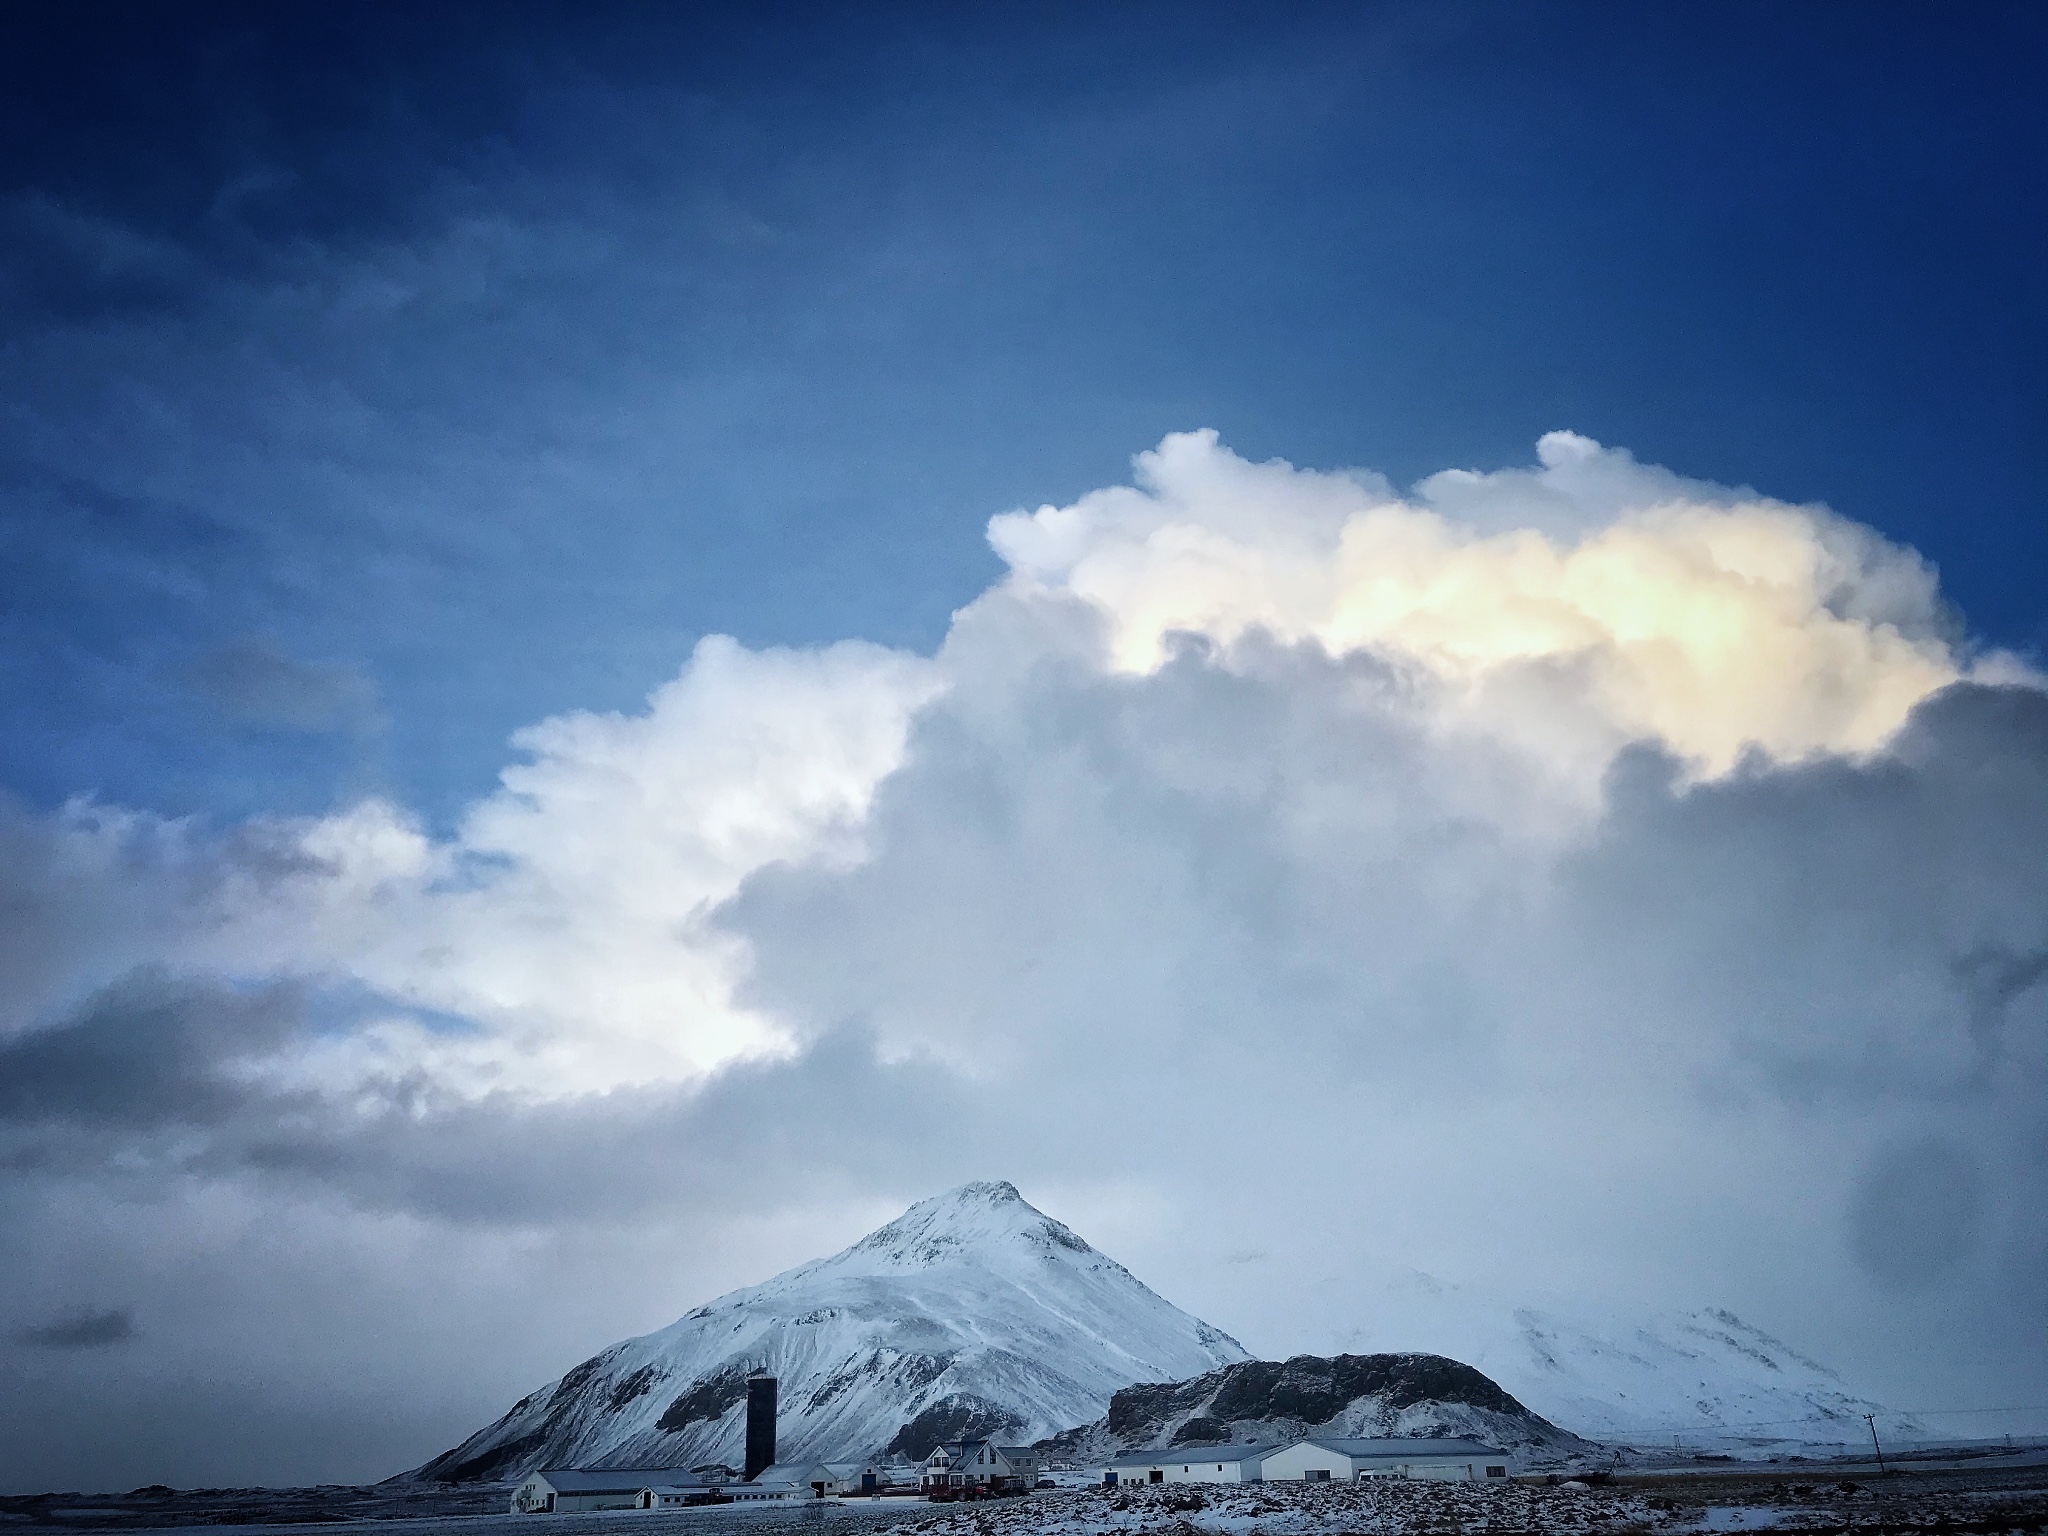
<point>1188,1455</point>
<point>618,1479</point>
<point>1395,1450</point>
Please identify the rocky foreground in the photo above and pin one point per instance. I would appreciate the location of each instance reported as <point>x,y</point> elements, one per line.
<point>1395,1508</point>
<point>1957,1501</point>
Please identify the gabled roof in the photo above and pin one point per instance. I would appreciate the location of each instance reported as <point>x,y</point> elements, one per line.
<point>788,1471</point>
<point>618,1479</point>
<point>1188,1455</point>
<point>1012,1452</point>
<point>1395,1450</point>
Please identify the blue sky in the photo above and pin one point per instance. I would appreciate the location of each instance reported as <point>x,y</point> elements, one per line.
<point>468,364</point>
<point>422,930</point>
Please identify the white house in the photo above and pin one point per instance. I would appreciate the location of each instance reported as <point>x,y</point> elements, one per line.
<point>1325,1460</point>
<point>560,1490</point>
<point>1192,1464</point>
<point>963,1464</point>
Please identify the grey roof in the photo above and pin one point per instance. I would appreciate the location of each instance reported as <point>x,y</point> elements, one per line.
<point>786,1471</point>
<point>1188,1455</point>
<point>1395,1450</point>
<point>1012,1452</point>
<point>618,1479</point>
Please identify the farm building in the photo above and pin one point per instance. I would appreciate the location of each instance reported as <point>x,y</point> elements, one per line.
<point>826,1478</point>
<point>763,1490</point>
<point>1314,1461</point>
<point>560,1490</point>
<point>1191,1464</point>
<point>1447,1461</point>
<point>672,1497</point>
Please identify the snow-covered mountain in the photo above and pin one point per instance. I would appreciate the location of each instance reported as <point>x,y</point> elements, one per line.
<point>1705,1379</point>
<point>970,1313</point>
<point>1351,1396</point>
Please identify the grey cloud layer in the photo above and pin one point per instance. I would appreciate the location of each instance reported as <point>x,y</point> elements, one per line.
<point>1268,950</point>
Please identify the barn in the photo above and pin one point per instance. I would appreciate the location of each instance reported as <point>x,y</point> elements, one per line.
<point>1442,1461</point>
<point>1192,1464</point>
<point>561,1490</point>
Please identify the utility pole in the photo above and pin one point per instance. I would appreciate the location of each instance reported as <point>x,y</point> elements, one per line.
<point>1871,1420</point>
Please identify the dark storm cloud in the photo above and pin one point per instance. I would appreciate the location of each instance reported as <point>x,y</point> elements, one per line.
<point>1918,1214</point>
<point>160,1079</point>
<point>252,681</point>
<point>84,1328</point>
<point>150,1051</point>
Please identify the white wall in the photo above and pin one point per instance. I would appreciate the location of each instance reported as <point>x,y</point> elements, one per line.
<point>1302,1458</point>
<point>1189,1471</point>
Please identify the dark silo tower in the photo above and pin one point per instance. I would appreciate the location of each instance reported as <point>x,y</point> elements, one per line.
<point>760,1423</point>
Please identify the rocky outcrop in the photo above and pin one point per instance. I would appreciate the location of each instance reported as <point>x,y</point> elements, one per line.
<point>1363,1396</point>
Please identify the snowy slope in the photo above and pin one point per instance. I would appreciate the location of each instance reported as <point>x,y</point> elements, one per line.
<point>1350,1396</point>
<point>970,1313</point>
<point>1705,1379</point>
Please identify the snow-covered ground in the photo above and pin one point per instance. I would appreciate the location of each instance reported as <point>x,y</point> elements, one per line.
<point>1984,1499</point>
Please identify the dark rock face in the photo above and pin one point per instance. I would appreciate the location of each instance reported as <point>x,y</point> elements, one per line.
<point>1260,1399</point>
<point>711,1398</point>
<point>484,1467</point>
<point>960,1416</point>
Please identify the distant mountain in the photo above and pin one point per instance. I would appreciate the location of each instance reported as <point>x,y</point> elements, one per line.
<point>1362,1396</point>
<point>972,1313</point>
<point>1706,1378</point>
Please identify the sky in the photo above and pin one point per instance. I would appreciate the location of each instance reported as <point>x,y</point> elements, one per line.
<point>1370,640</point>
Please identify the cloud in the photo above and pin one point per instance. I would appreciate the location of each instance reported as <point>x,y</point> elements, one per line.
<point>84,1328</point>
<point>1705,621</point>
<point>251,681</point>
<point>1652,901</point>
<point>1918,1214</point>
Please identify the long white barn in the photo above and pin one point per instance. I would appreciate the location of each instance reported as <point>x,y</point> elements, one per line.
<point>1313,1461</point>
<point>564,1490</point>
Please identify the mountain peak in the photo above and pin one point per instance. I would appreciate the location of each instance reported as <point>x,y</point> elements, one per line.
<point>981,1194</point>
<point>970,1222</point>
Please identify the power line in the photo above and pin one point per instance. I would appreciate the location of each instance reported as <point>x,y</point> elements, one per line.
<point>1822,1418</point>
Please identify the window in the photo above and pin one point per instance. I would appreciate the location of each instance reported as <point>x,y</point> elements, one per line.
<point>1496,1471</point>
